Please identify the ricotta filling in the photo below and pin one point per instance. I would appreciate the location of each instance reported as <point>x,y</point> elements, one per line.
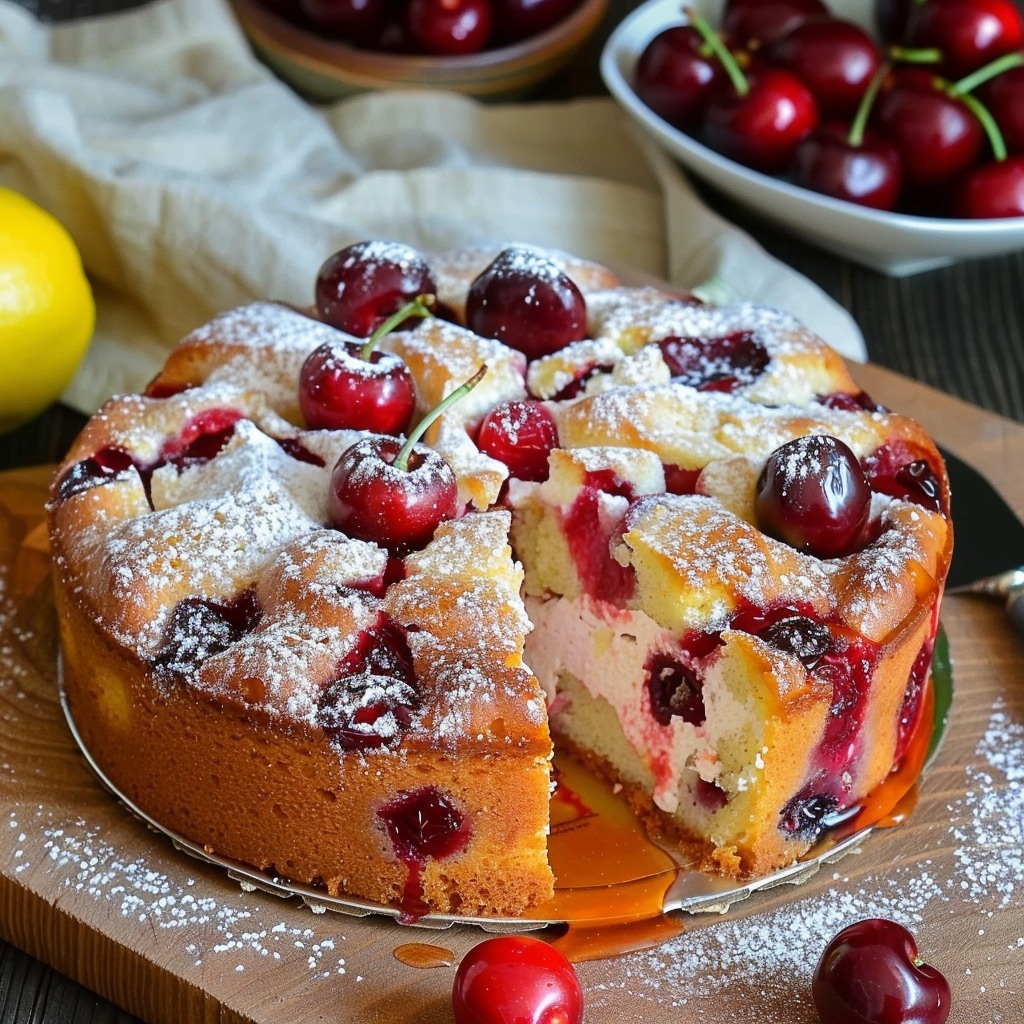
<point>608,649</point>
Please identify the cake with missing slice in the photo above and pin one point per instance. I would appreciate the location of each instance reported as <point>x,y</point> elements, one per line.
<point>676,538</point>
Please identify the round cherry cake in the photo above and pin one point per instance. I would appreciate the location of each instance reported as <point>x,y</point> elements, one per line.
<point>330,586</point>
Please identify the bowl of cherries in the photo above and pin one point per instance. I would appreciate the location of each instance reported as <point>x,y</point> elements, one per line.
<point>890,132</point>
<point>489,49</point>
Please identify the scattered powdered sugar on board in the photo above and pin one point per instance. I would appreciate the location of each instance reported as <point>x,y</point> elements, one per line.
<point>773,954</point>
<point>217,929</point>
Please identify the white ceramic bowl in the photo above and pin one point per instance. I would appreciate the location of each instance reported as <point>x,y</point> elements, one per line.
<point>894,243</point>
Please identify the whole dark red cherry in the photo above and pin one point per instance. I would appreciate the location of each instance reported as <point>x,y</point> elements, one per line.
<point>1004,98</point>
<point>520,19</point>
<point>521,435</point>
<point>992,190</point>
<point>969,33</point>
<point>516,979</point>
<point>676,75</point>
<point>812,494</point>
<point>761,126</point>
<point>936,135</point>
<point>525,301</point>
<point>392,493</point>
<point>757,23</point>
<point>360,286</point>
<point>868,172</point>
<point>355,20</point>
<point>834,58</point>
<point>449,27</point>
<point>870,973</point>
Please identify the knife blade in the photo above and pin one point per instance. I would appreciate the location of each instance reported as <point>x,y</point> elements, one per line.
<point>988,546</point>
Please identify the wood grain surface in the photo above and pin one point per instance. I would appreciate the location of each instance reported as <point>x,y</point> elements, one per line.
<point>88,889</point>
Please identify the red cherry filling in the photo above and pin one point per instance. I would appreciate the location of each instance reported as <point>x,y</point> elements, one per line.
<point>812,494</point>
<point>674,689</point>
<point>910,709</point>
<point>804,816</point>
<point>200,628</point>
<point>578,384</point>
<point>521,435</point>
<point>589,533</point>
<point>201,439</point>
<point>373,698</point>
<point>897,469</point>
<point>360,286</point>
<point>525,301</point>
<point>681,481</point>
<point>422,824</point>
<point>809,639</point>
<point>516,979</point>
<point>860,401</point>
<point>871,973</point>
<point>715,364</point>
<point>108,464</point>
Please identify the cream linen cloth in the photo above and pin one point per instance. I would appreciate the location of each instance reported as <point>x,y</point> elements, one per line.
<point>192,181</point>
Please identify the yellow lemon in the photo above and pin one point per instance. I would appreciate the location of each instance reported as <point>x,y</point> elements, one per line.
<point>47,312</point>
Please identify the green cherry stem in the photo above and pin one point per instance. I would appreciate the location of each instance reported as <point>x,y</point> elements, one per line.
<point>915,54</point>
<point>720,50</point>
<point>421,306</point>
<point>990,70</point>
<point>988,123</point>
<point>402,458</point>
<point>867,101</point>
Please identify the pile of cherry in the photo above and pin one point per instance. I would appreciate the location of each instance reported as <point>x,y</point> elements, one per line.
<point>437,27</point>
<point>927,119</point>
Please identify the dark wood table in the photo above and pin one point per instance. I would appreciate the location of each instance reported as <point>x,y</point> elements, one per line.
<point>959,329</point>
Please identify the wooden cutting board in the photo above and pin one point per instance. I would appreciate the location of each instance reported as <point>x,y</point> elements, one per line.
<point>88,889</point>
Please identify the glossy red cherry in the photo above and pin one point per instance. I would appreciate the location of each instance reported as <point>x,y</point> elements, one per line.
<point>812,494</point>
<point>521,435</point>
<point>516,979</point>
<point>354,385</point>
<point>835,59</point>
<point>758,23</point>
<point>993,190</point>
<point>395,494</point>
<point>525,301</point>
<point>969,33</point>
<point>870,973</point>
<point>360,286</point>
<point>449,27</point>
<point>677,74</point>
<point>355,20</point>
<point>761,126</point>
<point>1004,98</point>
<point>868,172</point>
<point>935,133</point>
<point>519,19</point>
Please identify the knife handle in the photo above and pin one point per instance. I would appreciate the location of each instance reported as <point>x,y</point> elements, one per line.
<point>1015,608</point>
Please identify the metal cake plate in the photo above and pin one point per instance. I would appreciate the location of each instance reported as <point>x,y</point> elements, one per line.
<point>689,890</point>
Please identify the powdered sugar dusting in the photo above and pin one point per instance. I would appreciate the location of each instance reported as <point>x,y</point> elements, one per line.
<point>770,956</point>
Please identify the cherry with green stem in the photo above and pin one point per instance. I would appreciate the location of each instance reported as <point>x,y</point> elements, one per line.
<point>849,162</point>
<point>348,384</point>
<point>762,117</point>
<point>396,493</point>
